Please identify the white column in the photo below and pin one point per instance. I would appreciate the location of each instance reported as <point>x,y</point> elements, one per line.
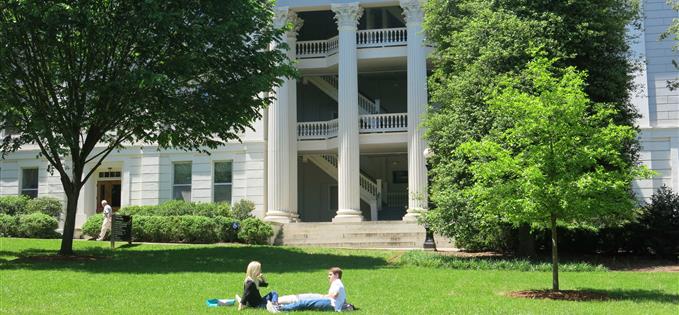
<point>278,145</point>
<point>417,105</point>
<point>349,202</point>
<point>292,113</point>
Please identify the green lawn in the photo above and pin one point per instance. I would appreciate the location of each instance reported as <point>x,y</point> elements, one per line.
<point>176,279</point>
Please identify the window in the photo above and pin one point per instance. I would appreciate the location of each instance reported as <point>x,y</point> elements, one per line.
<point>29,182</point>
<point>223,181</point>
<point>181,188</point>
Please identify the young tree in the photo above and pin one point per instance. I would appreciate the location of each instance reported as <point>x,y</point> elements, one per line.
<point>80,78</point>
<point>554,158</point>
<point>475,43</point>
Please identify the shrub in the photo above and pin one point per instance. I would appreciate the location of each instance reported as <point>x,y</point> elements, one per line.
<point>48,205</point>
<point>92,226</point>
<point>13,204</point>
<point>8,225</point>
<point>157,229</point>
<point>227,228</point>
<point>37,225</point>
<point>212,209</point>
<point>176,207</point>
<point>243,209</point>
<point>139,210</point>
<point>659,226</point>
<point>255,231</point>
<point>198,229</point>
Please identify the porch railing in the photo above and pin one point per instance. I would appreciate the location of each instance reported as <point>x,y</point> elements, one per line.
<point>317,130</point>
<point>383,123</point>
<point>373,188</point>
<point>364,39</point>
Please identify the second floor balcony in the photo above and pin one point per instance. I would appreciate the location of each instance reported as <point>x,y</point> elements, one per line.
<point>375,123</point>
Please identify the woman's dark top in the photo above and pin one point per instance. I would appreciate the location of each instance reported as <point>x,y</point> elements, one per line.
<point>251,296</point>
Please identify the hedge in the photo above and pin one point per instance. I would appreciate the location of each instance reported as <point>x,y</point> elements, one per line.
<point>189,229</point>
<point>16,205</point>
<point>13,205</point>
<point>37,225</point>
<point>255,231</point>
<point>8,225</point>
<point>180,207</point>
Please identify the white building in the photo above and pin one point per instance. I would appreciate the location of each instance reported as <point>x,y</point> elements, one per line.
<point>342,143</point>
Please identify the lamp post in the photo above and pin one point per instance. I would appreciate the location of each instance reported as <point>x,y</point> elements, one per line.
<point>429,243</point>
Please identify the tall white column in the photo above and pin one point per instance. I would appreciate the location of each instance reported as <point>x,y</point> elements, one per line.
<point>292,113</point>
<point>417,105</point>
<point>349,202</point>
<point>278,145</point>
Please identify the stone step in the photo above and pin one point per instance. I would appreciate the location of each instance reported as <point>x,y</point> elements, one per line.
<point>367,235</point>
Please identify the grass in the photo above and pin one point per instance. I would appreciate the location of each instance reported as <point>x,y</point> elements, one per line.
<point>176,279</point>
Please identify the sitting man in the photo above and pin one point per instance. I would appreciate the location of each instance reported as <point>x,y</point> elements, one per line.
<point>333,301</point>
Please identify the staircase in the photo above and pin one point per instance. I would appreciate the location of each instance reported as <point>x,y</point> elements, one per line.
<point>378,234</point>
<point>370,190</point>
<point>328,84</point>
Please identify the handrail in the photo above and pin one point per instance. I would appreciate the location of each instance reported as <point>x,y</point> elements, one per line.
<point>375,123</point>
<point>384,37</point>
<point>368,184</point>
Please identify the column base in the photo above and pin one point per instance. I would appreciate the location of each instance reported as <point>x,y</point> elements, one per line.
<point>413,215</point>
<point>348,216</point>
<point>278,217</point>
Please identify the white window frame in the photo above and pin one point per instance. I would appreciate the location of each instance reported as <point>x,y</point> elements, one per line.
<point>224,184</point>
<point>175,185</point>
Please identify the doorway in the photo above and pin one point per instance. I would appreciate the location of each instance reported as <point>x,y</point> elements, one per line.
<point>110,191</point>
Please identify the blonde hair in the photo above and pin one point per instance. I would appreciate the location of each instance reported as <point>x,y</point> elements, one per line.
<point>253,272</point>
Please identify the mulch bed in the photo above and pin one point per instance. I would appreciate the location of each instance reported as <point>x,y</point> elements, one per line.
<point>50,258</point>
<point>565,295</point>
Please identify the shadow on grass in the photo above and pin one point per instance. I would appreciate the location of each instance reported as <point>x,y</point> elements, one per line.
<point>637,295</point>
<point>171,259</point>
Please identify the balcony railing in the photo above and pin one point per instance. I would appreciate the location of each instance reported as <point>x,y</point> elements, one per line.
<point>318,130</point>
<point>364,39</point>
<point>383,123</point>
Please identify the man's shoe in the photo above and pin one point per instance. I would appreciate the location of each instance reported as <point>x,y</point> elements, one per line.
<point>271,308</point>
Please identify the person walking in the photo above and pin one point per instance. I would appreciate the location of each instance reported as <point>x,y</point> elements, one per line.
<point>108,216</point>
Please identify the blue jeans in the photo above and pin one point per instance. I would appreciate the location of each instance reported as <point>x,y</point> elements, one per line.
<point>315,304</point>
<point>271,296</point>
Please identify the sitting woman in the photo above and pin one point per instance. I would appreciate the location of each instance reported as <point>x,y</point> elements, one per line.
<point>253,280</point>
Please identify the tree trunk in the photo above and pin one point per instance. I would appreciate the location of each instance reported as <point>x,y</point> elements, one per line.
<point>555,257</point>
<point>69,223</point>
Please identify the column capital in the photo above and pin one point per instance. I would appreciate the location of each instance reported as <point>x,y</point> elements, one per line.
<point>413,11</point>
<point>296,22</point>
<point>347,14</point>
<point>281,16</point>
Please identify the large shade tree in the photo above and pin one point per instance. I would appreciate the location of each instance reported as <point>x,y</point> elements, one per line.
<point>554,158</point>
<point>475,43</point>
<point>80,78</point>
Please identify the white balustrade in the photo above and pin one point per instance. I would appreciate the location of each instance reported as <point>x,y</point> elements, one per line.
<point>318,130</point>
<point>382,37</point>
<point>364,39</point>
<point>383,123</point>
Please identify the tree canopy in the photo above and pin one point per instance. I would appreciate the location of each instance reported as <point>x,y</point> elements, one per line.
<point>79,78</point>
<point>553,157</point>
<point>476,42</point>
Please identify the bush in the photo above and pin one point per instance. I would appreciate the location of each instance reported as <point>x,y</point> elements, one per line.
<point>8,225</point>
<point>180,207</point>
<point>198,229</point>
<point>92,226</point>
<point>227,228</point>
<point>37,225</point>
<point>157,229</point>
<point>255,231</point>
<point>47,205</point>
<point>243,209</point>
<point>212,209</point>
<point>659,226</point>
<point>13,205</point>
